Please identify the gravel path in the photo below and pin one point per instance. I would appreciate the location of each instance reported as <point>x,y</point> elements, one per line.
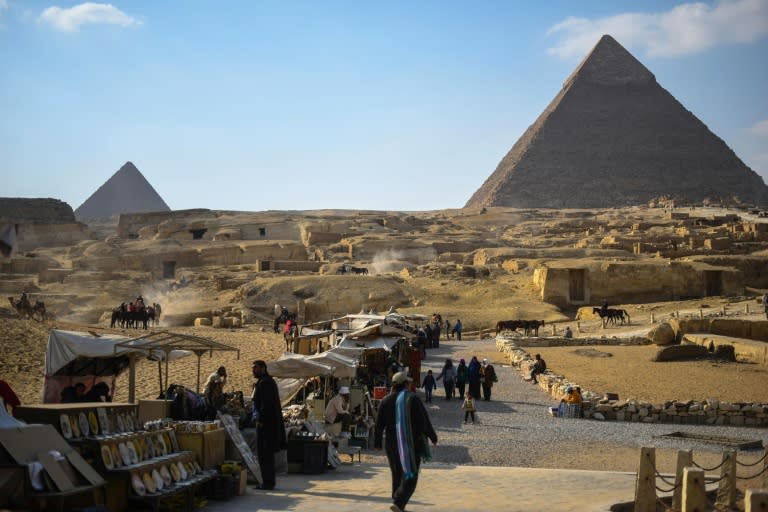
<point>515,428</point>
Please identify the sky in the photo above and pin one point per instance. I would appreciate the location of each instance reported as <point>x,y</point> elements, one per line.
<point>295,105</point>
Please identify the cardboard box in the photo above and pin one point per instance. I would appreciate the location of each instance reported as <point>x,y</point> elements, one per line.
<point>209,447</point>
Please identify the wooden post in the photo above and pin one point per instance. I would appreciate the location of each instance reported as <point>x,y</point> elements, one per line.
<point>131,378</point>
<point>726,489</point>
<point>701,313</point>
<point>694,496</point>
<point>653,320</point>
<point>554,330</point>
<point>765,470</point>
<point>645,489</point>
<point>578,327</point>
<point>722,310</point>
<point>746,308</point>
<point>755,500</point>
<point>684,460</point>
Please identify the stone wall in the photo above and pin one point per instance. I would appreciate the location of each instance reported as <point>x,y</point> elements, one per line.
<point>22,210</point>
<point>33,236</point>
<point>597,407</point>
<point>633,281</point>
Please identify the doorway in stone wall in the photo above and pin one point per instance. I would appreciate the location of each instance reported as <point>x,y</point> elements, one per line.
<point>714,282</point>
<point>576,278</point>
<point>169,270</point>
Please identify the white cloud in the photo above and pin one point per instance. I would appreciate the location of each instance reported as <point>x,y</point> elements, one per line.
<point>685,29</point>
<point>760,129</point>
<point>70,20</point>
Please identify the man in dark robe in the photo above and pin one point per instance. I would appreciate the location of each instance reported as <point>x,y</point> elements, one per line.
<point>268,416</point>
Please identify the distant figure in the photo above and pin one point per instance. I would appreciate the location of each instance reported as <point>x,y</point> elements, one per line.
<point>457,328</point>
<point>449,378</point>
<point>462,374</point>
<point>79,392</point>
<point>487,378</point>
<point>568,332</point>
<point>429,385</point>
<point>337,410</point>
<point>469,407</point>
<point>765,305</point>
<point>539,366</point>
<point>214,390</point>
<point>98,393</point>
<point>447,329</point>
<point>604,309</point>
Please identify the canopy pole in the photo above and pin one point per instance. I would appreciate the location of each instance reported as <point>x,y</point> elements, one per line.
<point>166,370</point>
<point>199,355</point>
<point>160,378</point>
<point>131,379</point>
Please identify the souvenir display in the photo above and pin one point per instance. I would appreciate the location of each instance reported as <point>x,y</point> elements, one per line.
<point>106,456</point>
<point>116,457</point>
<point>190,469</point>
<point>166,475</point>
<point>83,422</point>
<point>120,423</point>
<point>104,426</point>
<point>197,466</point>
<point>159,483</point>
<point>167,441</point>
<point>149,483</point>
<point>132,452</point>
<point>182,470</point>
<point>93,423</point>
<point>66,428</point>
<point>174,441</point>
<point>75,424</point>
<point>125,457</point>
<point>175,473</point>
<point>151,448</point>
<point>160,444</point>
<point>138,485</point>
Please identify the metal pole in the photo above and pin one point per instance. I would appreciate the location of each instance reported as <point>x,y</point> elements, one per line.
<point>131,379</point>
<point>199,355</point>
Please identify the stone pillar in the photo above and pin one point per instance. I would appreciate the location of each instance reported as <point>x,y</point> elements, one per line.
<point>645,489</point>
<point>755,500</point>
<point>684,460</point>
<point>694,496</point>
<point>726,489</point>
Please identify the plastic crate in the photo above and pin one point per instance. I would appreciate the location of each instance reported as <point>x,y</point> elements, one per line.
<point>222,488</point>
<point>315,457</point>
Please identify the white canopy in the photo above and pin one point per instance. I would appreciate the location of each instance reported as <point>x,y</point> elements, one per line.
<point>72,353</point>
<point>297,366</point>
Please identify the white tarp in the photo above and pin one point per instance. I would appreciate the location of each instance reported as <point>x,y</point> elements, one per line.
<point>297,366</point>
<point>66,347</point>
<point>343,366</point>
<point>353,347</point>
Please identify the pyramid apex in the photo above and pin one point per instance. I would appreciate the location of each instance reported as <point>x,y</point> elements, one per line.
<point>610,64</point>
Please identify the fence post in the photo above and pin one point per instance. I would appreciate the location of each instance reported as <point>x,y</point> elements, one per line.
<point>746,308</point>
<point>684,459</point>
<point>765,469</point>
<point>645,490</point>
<point>726,489</point>
<point>653,320</point>
<point>694,496</point>
<point>755,500</point>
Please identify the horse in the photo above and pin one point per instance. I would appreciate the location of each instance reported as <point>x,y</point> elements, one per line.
<point>25,309</point>
<point>281,316</point>
<point>359,270</point>
<point>608,315</point>
<point>533,326</point>
<point>508,325</point>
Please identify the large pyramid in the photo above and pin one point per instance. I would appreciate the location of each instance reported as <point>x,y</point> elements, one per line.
<point>127,191</point>
<point>612,137</point>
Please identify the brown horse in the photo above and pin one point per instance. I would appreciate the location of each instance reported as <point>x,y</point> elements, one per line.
<point>26,310</point>
<point>508,325</point>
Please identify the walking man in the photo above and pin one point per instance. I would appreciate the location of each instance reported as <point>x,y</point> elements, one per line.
<point>268,416</point>
<point>404,419</point>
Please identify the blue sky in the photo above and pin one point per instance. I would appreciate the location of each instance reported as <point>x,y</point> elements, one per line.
<point>399,105</point>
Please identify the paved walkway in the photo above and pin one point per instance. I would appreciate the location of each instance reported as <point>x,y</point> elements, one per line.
<point>443,488</point>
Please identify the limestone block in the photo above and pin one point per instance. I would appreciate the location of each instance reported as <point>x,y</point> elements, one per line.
<point>202,321</point>
<point>217,321</point>
<point>599,416</point>
<point>648,419</point>
<point>635,417</point>
<point>662,334</point>
<point>620,415</point>
<point>680,352</point>
<point>736,420</point>
<point>642,412</point>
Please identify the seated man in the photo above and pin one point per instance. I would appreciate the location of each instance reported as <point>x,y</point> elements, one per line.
<point>539,366</point>
<point>337,410</point>
<point>568,332</point>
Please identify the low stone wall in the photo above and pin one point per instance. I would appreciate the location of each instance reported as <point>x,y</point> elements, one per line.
<point>703,412</point>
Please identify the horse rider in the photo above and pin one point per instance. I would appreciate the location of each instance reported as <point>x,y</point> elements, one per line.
<point>24,300</point>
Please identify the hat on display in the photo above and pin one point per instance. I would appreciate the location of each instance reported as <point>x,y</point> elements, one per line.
<point>400,378</point>
<point>485,362</point>
<point>344,390</point>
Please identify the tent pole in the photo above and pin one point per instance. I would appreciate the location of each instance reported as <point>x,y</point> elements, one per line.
<point>166,370</point>
<point>199,355</point>
<point>131,379</point>
<point>160,377</point>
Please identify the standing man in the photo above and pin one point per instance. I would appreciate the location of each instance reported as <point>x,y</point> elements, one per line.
<point>457,327</point>
<point>765,304</point>
<point>488,377</point>
<point>268,416</point>
<point>406,423</point>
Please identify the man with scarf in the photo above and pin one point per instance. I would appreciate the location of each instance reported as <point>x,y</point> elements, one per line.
<point>406,423</point>
<point>268,416</point>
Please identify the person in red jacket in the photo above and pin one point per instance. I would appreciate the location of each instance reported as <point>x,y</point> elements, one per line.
<point>9,397</point>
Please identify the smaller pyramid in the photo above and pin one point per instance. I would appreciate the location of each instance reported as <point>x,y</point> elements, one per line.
<point>127,191</point>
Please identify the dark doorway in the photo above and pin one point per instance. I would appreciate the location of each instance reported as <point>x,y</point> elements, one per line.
<point>262,231</point>
<point>714,281</point>
<point>265,265</point>
<point>576,279</point>
<point>197,234</point>
<point>169,269</point>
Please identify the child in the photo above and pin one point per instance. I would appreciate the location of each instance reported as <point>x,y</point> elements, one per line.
<point>429,384</point>
<point>469,407</point>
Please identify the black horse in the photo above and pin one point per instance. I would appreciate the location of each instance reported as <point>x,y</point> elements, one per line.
<point>508,325</point>
<point>359,270</point>
<point>611,316</point>
<point>283,317</point>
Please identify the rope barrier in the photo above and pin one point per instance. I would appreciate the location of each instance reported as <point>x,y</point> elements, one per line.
<point>708,469</point>
<point>761,459</point>
<point>665,490</point>
<point>753,476</point>
<point>663,479</point>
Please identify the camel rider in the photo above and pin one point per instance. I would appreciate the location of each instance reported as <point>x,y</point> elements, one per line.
<point>24,300</point>
<point>139,302</point>
<point>604,308</point>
